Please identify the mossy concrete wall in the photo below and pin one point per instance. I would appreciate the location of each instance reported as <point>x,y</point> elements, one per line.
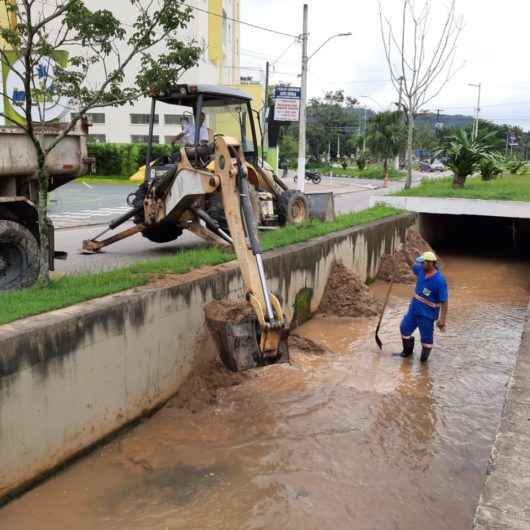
<point>70,377</point>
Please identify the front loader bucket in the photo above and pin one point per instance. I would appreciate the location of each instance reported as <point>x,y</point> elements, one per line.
<point>235,331</point>
<point>321,206</point>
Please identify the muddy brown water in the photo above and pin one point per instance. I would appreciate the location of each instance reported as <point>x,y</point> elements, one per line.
<point>355,439</point>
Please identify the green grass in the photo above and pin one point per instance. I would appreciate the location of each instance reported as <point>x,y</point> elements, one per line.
<point>373,171</point>
<point>65,292</point>
<point>77,288</point>
<point>94,179</point>
<point>506,188</point>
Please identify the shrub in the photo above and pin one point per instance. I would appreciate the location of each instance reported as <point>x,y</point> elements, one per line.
<point>109,158</point>
<point>515,165</point>
<point>490,167</point>
<point>361,161</point>
<point>123,160</point>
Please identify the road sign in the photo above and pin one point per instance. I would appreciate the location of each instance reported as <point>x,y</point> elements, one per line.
<point>287,103</point>
<point>287,92</point>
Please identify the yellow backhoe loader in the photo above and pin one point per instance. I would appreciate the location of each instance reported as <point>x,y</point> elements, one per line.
<point>219,190</point>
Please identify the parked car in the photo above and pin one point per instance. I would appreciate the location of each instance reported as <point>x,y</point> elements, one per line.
<point>431,167</point>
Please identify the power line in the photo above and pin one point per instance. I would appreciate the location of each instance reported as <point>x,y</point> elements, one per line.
<point>249,24</point>
<point>297,39</point>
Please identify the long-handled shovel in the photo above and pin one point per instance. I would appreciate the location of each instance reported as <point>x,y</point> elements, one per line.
<point>377,339</point>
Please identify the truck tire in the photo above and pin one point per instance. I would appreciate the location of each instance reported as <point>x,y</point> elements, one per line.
<point>293,207</point>
<point>19,256</point>
<point>164,232</point>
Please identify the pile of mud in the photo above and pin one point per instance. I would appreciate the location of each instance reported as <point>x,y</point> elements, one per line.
<point>228,311</point>
<point>203,387</point>
<point>403,259</point>
<point>346,295</point>
<point>305,345</point>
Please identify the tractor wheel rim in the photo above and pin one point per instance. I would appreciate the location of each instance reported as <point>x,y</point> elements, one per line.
<point>298,211</point>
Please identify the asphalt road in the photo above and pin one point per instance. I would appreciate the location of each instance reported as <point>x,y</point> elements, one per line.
<point>77,208</point>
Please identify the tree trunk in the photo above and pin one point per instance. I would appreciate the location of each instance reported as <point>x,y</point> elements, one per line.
<point>459,181</point>
<point>410,141</point>
<point>42,209</point>
<point>385,181</point>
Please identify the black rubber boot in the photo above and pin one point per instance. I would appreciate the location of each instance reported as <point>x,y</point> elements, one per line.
<point>425,352</point>
<point>408,348</point>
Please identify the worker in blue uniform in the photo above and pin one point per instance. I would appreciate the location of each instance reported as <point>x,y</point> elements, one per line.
<point>428,305</point>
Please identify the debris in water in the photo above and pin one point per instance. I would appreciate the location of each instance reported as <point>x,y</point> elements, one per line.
<point>305,345</point>
<point>413,247</point>
<point>346,295</point>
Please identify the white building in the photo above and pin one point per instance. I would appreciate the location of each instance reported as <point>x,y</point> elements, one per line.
<point>213,28</point>
<point>217,34</point>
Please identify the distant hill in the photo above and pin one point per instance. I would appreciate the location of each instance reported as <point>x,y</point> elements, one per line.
<point>448,120</point>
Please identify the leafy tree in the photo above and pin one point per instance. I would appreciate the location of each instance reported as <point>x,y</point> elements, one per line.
<point>104,55</point>
<point>386,137</point>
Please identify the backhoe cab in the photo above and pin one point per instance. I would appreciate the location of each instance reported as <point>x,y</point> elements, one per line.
<point>221,192</point>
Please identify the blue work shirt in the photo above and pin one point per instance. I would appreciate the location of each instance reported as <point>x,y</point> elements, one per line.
<point>433,289</point>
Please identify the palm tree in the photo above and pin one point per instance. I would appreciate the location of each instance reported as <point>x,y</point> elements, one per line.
<point>386,137</point>
<point>464,154</point>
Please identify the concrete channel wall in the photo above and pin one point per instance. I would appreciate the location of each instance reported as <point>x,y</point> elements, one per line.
<point>71,377</point>
<point>505,500</point>
<point>435,205</point>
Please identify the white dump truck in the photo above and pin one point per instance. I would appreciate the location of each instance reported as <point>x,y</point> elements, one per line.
<point>19,229</point>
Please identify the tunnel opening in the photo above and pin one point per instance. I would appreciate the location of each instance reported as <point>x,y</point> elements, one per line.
<point>487,236</point>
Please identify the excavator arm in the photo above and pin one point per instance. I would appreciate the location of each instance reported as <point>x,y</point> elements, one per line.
<point>178,199</point>
<point>230,168</point>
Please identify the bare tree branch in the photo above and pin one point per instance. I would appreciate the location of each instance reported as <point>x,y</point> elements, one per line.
<point>424,71</point>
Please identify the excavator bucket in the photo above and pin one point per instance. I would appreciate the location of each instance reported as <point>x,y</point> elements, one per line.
<point>321,206</point>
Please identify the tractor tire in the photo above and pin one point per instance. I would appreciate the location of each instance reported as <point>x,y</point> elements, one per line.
<point>164,232</point>
<point>293,207</point>
<point>19,256</point>
<point>216,210</point>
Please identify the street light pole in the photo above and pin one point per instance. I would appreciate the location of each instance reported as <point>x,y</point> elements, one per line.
<point>477,110</point>
<point>303,97</point>
<point>303,103</point>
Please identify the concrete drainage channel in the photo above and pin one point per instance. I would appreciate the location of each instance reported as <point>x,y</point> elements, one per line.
<point>72,377</point>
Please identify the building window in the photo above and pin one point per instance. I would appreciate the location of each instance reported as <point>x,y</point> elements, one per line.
<point>94,117</point>
<point>144,139</point>
<point>97,138</point>
<point>142,119</point>
<point>173,119</point>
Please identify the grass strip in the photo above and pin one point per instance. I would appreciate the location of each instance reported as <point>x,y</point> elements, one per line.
<point>76,288</point>
<point>504,188</point>
<point>373,171</point>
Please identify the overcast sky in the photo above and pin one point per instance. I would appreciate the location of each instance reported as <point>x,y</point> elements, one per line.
<point>494,49</point>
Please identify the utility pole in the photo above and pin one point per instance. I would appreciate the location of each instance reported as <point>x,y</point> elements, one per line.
<point>265,133</point>
<point>365,128</point>
<point>338,146</point>
<point>477,110</point>
<point>303,100</point>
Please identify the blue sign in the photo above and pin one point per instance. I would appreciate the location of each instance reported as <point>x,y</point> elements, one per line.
<point>287,92</point>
